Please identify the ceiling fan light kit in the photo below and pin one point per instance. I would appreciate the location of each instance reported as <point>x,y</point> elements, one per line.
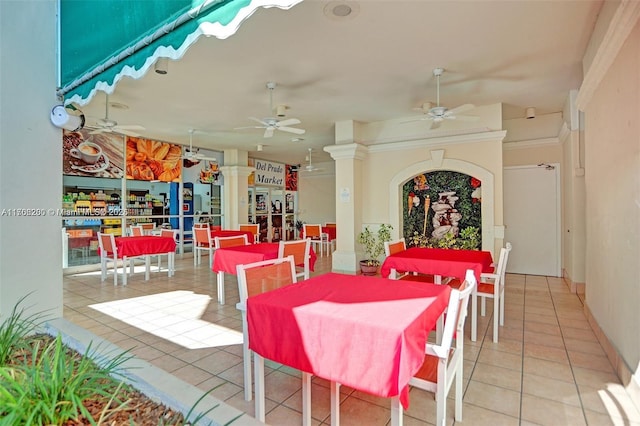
<point>107,125</point>
<point>193,155</point>
<point>271,124</point>
<point>438,113</point>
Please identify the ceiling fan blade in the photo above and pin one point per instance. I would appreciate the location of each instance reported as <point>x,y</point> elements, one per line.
<point>467,117</point>
<point>421,118</point>
<point>268,132</point>
<point>292,130</point>
<point>118,129</point>
<point>249,127</point>
<point>133,127</point>
<point>435,124</point>
<point>264,123</point>
<point>461,108</point>
<point>288,122</point>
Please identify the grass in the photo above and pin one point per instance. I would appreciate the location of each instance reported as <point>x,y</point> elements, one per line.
<point>42,382</point>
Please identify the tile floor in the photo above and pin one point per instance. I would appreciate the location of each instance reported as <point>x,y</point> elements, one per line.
<point>547,369</point>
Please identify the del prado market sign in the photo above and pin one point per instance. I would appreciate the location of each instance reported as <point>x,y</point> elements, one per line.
<point>268,173</point>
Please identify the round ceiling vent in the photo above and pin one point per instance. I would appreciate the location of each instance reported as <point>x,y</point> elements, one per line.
<point>341,10</point>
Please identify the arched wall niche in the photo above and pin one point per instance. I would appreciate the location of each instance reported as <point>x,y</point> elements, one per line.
<point>437,163</point>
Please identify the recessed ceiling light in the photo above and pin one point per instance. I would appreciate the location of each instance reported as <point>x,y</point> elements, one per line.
<point>341,10</point>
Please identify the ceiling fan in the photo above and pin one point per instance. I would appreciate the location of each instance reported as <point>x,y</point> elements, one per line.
<point>271,124</point>
<point>191,154</point>
<point>107,125</point>
<point>437,114</point>
<point>309,167</point>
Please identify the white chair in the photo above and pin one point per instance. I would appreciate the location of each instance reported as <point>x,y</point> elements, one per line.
<point>109,251</point>
<point>254,228</point>
<point>443,362</point>
<point>301,252</point>
<point>491,286</point>
<point>396,246</point>
<point>136,230</point>
<point>314,231</point>
<point>236,240</point>
<point>202,241</point>
<point>222,242</point>
<point>171,233</point>
<point>256,278</point>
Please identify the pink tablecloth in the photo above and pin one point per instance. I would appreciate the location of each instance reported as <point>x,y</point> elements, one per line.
<point>231,233</point>
<point>144,245</point>
<point>434,261</point>
<point>364,332</point>
<point>226,259</point>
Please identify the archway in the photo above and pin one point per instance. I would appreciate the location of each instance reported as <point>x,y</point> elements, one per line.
<point>485,176</point>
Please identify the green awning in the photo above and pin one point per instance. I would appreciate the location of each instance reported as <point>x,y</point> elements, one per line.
<point>102,41</point>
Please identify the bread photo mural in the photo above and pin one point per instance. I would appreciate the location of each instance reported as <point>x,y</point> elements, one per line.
<point>153,160</point>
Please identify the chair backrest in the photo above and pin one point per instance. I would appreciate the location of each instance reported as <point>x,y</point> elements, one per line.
<point>254,228</point>
<point>202,237</point>
<point>260,277</point>
<point>172,233</point>
<point>107,244</point>
<point>238,240</point>
<point>330,224</point>
<point>201,225</point>
<point>392,247</point>
<point>299,249</point>
<point>312,231</point>
<point>456,314</point>
<point>136,230</point>
<point>503,272</point>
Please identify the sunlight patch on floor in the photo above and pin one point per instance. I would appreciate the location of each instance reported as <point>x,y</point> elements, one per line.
<point>174,316</point>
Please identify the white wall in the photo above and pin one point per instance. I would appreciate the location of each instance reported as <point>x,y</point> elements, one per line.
<point>317,195</point>
<point>612,178</point>
<point>30,158</point>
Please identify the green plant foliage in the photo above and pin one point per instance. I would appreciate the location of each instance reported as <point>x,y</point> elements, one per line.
<point>374,243</point>
<point>417,226</point>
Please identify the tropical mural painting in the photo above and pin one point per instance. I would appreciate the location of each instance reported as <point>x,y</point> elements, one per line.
<point>442,209</point>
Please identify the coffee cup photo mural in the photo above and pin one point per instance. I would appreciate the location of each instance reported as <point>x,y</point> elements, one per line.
<point>87,151</point>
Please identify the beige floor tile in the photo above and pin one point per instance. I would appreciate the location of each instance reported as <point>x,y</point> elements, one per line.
<point>478,416</point>
<point>594,362</point>
<point>556,390</point>
<point>555,370</point>
<point>498,376</point>
<point>599,419</point>
<point>593,348</point>
<point>547,412</point>
<point>611,400</point>
<point>357,412</point>
<point>546,352</point>
<point>501,359</point>
<point>493,398</point>
<point>535,338</point>
<point>543,328</point>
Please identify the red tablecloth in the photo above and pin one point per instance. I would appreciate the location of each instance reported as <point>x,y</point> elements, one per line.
<point>226,259</point>
<point>364,332</point>
<point>434,261</point>
<point>231,233</point>
<point>144,245</point>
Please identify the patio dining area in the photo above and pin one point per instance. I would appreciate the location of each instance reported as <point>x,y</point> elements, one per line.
<point>547,369</point>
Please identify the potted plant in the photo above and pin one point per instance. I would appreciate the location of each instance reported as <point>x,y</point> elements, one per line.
<point>373,244</point>
<point>299,224</point>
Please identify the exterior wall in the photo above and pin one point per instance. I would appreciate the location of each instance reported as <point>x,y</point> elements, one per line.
<point>612,178</point>
<point>30,158</point>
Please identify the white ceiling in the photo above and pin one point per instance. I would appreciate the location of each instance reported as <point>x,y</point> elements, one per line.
<point>373,65</point>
